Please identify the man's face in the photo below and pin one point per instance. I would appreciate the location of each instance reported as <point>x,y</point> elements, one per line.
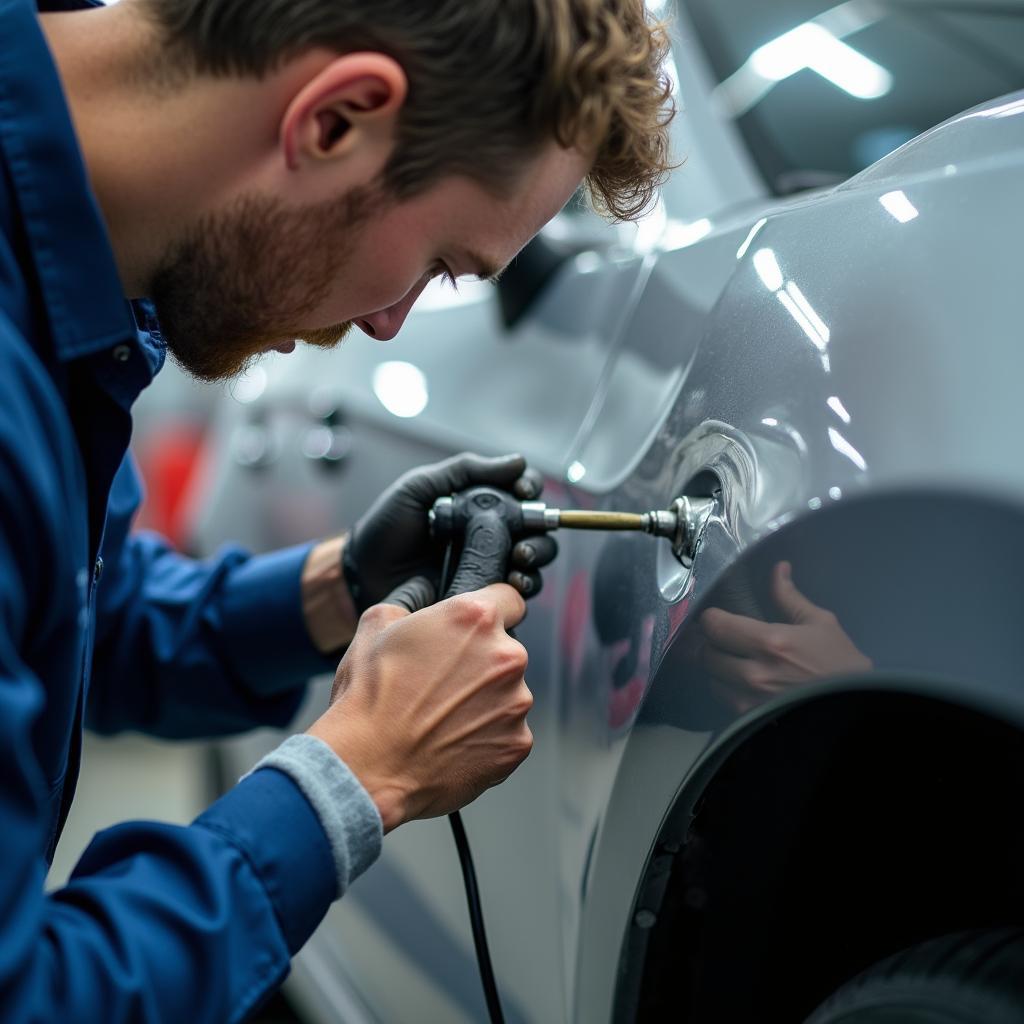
<point>256,275</point>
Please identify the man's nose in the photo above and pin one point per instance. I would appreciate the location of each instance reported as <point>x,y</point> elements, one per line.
<point>386,323</point>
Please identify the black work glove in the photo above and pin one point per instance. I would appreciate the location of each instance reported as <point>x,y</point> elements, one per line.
<point>392,542</point>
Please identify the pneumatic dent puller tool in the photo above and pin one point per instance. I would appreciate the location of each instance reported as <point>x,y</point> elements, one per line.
<point>488,521</point>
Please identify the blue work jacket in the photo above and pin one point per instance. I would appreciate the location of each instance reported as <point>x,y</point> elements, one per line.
<point>114,629</point>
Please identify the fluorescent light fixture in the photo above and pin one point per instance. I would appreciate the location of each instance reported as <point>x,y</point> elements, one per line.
<point>742,250</point>
<point>844,447</point>
<point>836,405</point>
<point>899,206</point>
<point>812,46</point>
<point>768,269</point>
<point>799,49</point>
<point>401,388</point>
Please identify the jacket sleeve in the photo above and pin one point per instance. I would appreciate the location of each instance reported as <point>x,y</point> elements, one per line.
<point>158,923</point>
<point>188,648</point>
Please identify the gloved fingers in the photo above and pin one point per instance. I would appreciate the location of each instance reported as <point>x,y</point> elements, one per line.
<point>534,552</point>
<point>529,584</point>
<point>413,594</point>
<point>528,486</point>
<point>466,470</point>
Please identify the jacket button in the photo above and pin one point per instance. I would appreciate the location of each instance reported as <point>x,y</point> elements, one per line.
<point>122,353</point>
<point>97,570</point>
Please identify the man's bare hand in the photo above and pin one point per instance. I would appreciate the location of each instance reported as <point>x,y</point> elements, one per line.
<point>754,660</point>
<point>429,709</point>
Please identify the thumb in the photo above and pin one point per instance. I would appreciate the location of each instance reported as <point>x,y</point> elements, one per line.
<point>797,608</point>
<point>413,595</point>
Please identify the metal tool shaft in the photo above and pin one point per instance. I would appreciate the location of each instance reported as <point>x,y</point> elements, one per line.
<point>578,519</point>
<point>682,524</point>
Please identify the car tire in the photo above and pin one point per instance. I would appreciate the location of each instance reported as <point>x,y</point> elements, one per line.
<point>967,978</point>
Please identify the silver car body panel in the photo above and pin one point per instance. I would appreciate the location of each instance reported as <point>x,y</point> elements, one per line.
<point>852,384</point>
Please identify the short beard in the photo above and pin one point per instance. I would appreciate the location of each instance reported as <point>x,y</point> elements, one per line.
<point>232,287</point>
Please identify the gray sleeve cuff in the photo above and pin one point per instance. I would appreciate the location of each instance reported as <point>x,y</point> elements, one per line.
<point>348,816</point>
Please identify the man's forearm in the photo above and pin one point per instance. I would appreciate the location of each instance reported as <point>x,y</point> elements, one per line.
<point>330,612</point>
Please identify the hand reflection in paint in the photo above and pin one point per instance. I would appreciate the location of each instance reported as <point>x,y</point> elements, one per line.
<point>751,660</point>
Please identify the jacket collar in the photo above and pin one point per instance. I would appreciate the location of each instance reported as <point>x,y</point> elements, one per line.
<point>71,251</point>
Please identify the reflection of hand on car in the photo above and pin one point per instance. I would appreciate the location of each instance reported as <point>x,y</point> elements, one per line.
<point>755,660</point>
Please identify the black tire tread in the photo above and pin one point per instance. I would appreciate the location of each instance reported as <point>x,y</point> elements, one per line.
<point>974,977</point>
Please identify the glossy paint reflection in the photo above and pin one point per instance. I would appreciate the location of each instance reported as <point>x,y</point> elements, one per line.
<point>750,659</point>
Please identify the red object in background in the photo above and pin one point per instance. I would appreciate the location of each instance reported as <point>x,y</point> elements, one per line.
<point>167,461</point>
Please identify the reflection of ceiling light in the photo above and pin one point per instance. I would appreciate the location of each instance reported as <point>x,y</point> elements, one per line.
<point>679,235</point>
<point>814,47</point>
<point>401,388</point>
<point>656,230</point>
<point>805,325</point>
<point>819,325</point>
<point>1011,109</point>
<point>794,301</point>
<point>576,472</point>
<point>836,405</point>
<point>899,206</point>
<point>768,269</point>
<point>844,447</point>
<point>742,250</point>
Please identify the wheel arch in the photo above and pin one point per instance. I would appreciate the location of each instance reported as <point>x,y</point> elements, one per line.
<point>767,780</point>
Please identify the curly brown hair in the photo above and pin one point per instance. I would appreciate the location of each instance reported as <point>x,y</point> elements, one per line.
<point>490,81</point>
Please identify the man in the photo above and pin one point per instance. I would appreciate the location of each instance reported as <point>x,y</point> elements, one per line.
<point>258,171</point>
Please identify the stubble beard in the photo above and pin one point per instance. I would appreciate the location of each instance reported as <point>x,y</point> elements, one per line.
<point>233,286</point>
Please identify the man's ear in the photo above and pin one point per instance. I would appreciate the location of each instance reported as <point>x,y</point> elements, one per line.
<point>352,104</point>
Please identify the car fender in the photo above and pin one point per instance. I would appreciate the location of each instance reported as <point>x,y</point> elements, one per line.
<point>939,627</point>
